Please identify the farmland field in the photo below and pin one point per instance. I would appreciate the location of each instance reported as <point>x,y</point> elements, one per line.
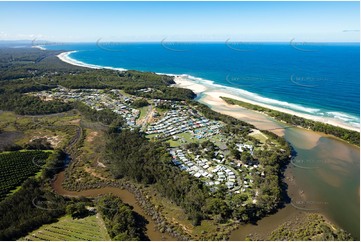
<point>16,167</point>
<point>89,228</point>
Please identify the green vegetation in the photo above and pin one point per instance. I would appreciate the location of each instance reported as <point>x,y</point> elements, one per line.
<point>165,92</point>
<point>132,155</point>
<point>122,223</point>
<point>314,227</point>
<point>129,154</point>
<point>37,70</point>
<point>105,116</point>
<point>140,103</point>
<point>28,105</point>
<point>77,210</point>
<point>16,167</point>
<point>28,209</point>
<point>90,228</point>
<point>17,63</point>
<point>350,136</point>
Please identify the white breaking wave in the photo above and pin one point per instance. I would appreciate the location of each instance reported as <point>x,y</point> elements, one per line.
<point>344,118</point>
<point>66,58</point>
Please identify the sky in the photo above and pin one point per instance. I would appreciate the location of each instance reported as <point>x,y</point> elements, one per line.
<point>186,21</point>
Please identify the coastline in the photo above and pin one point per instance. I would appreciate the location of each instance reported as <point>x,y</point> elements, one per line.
<point>212,97</point>
<point>211,93</point>
<point>66,58</point>
<point>38,47</point>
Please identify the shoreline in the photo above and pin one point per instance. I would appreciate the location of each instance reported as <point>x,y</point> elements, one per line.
<point>209,91</point>
<point>67,59</point>
<point>38,47</point>
<point>211,96</point>
<point>214,95</point>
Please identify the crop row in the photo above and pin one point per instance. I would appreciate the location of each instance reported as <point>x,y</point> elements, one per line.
<point>15,167</point>
<point>87,229</point>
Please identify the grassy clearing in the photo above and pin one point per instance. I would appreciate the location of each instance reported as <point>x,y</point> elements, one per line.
<point>208,230</point>
<point>184,138</point>
<point>90,228</point>
<point>143,111</point>
<point>259,135</point>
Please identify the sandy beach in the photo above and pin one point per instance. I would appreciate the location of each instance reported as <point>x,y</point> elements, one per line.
<point>184,82</point>
<point>212,97</point>
<point>65,57</point>
<point>38,47</point>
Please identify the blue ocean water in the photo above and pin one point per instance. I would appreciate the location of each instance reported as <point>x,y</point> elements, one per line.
<point>320,79</point>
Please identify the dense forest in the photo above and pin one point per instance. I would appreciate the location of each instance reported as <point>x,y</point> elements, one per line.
<point>29,105</point>
<point>19,214</point>
<point>350,136</point>
<point>132,155</point>
<point>105,116</point>
<point>128,152</point>
<point>313,227</point>
<point>32,70</point>
<point>122,223</point>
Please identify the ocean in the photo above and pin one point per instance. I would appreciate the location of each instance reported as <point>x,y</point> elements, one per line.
<point>319,79</point>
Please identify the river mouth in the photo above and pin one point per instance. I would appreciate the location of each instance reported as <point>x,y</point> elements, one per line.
<point>127,197</point>
<point>322,178</point>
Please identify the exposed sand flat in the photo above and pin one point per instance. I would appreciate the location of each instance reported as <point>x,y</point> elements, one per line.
<point>319,119</point>
<point>259,120</point>
<point>183,82</point>
<point>206,90</point>
<point>303,138</point>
